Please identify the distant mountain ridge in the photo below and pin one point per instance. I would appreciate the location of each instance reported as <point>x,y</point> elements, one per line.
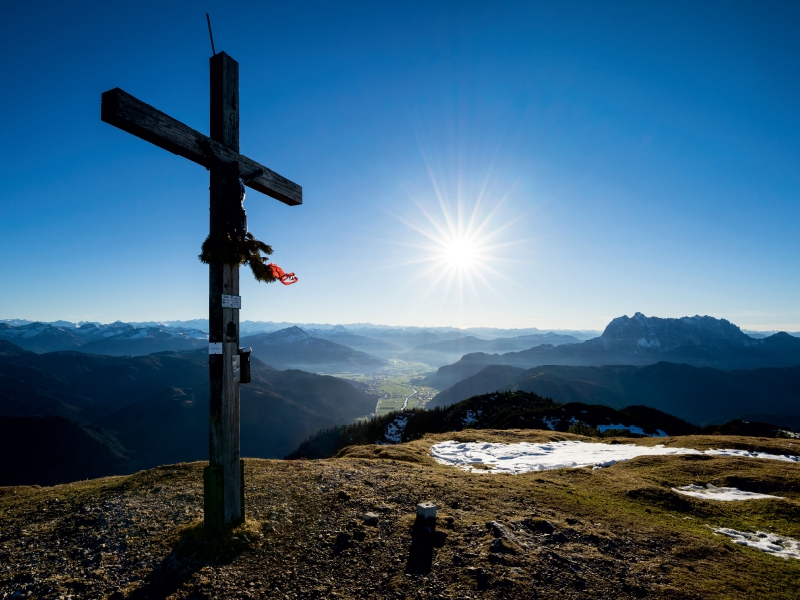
<point>115,339</point>
<point>440,352</point>
<point>362,343</point>
<point>471,343</point>
<point>459,352</point>
<point>294,348</point>
<point>384,342</point>
<point>640,340</point>
<point>414,334</point>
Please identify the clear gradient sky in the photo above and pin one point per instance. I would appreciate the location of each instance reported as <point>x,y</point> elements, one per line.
<point>622,156</point>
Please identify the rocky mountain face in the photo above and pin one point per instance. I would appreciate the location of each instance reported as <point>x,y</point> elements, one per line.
<point>640,340</point>
<point>294,348</point>
<point>664,335</point>
<point>120,414</point>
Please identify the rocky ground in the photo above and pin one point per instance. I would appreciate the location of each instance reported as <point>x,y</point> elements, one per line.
<point>345,528</point>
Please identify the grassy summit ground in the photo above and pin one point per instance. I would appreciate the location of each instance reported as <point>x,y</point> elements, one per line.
<point>616,532</point>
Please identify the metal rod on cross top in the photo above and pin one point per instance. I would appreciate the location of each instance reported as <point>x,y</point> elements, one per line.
<point>211,35</point>
<point>219,152</point>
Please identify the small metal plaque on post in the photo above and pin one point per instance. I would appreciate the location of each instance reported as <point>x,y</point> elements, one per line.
<point>215,348</point>
<point>229,301</point>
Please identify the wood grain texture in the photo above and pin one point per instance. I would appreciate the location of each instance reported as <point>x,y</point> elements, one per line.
<point>224,115</point>
<point>224,439</point>
<point>142,120</point>
<point>224,442</point>
<point>234,510</point>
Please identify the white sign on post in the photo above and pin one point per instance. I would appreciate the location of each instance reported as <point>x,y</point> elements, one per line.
<point>231,301</point>
<point>215,348</point>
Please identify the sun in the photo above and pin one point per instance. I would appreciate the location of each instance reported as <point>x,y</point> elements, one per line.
<point>463,238</point>
<point>460,253</point>
<point>458,247</point>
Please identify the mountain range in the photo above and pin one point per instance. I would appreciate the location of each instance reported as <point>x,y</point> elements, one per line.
<point>444,351</point>
<point>640,340</point>
<point>132,411</point>
<point>294,348</point>
<point>138,338</point>
<point>115,339</point>
<point>119,414</point>
<point>404,336</point>
<point>287,348</point>
<point>362,343</point>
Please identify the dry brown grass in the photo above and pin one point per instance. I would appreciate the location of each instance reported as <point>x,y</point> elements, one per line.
<point>619,532</point>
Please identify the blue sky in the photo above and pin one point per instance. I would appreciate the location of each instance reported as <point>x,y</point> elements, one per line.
<point>623,157</point>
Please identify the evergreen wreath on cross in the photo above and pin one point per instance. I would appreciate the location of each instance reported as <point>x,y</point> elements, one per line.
<point>232,244</point>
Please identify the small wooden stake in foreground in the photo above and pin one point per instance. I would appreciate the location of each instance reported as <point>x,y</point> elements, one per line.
<point>224,477</point>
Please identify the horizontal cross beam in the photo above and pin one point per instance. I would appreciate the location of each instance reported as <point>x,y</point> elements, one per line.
<point>142,120</point>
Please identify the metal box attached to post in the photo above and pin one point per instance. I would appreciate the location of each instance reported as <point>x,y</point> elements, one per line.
<point>244,355</point>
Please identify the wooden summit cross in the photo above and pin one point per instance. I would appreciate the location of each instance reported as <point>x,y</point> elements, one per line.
<point>219,153</point>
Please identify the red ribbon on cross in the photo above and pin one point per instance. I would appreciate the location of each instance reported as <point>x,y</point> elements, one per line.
<point>280,275</point>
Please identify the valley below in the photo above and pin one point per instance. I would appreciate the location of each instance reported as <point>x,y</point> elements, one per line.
<point>395,385</point>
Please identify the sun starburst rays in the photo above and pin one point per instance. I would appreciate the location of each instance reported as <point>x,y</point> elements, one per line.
<point>457,250</point>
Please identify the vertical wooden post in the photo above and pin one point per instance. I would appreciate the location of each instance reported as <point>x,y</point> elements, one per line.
<point>224,478</point>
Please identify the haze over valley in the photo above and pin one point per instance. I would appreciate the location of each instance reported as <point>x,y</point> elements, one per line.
<point>133,396</point>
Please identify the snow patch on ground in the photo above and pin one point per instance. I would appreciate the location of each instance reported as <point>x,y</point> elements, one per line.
<point>394,430</point>
<point>791,434</point>
<point>712,492</point>
<point>777,545</point>
<point>525,456</point>
<point>748,454</point>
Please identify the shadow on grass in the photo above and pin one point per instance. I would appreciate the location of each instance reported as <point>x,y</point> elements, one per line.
<point>194,549</point>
